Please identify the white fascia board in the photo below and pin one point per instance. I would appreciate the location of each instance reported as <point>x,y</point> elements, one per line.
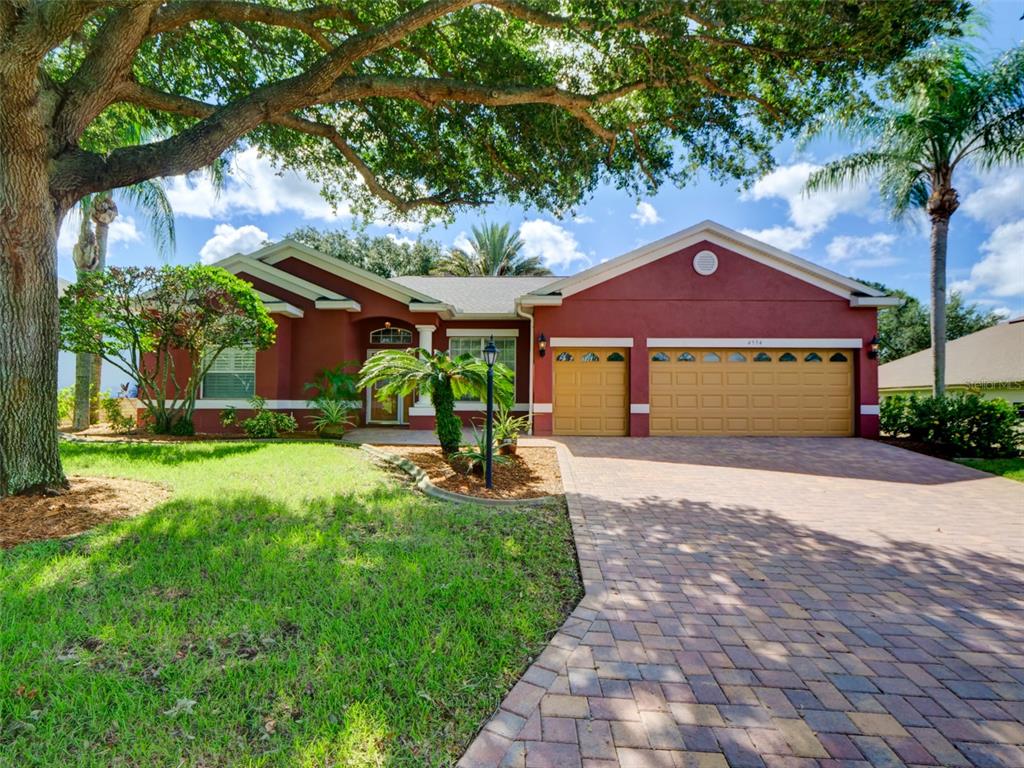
<point>591,341</point>
<point>713,232</point>
<point>483,316</point>
<point>348,304</point>
<point>534,300</point>
<point>278,277</point>
<point>482,332</point>
<point>875,301</point>
<point>748,342</point>
<point>283,308</point>
<point>291,249</point>
<point>436,308</point>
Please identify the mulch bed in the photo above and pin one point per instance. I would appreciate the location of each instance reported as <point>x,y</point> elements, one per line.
<point>532,472</point>
<point>90,501</point>
<point>917,446</point>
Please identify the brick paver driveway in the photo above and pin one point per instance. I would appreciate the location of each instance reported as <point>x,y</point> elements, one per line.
<point>778,603</point>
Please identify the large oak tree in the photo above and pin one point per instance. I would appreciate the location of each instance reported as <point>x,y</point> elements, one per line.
<point>410,104</point>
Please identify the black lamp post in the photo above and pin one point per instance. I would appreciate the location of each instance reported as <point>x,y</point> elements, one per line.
<point>490,357</point>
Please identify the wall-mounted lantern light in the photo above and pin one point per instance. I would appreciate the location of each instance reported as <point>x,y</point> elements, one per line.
<point>387,324</point>
<point>542,345</point>
<point>873,346</point>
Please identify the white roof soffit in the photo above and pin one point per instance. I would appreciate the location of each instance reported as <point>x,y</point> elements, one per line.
<point>272,254</point>
<point>276,306</point>
<point>716,233</point>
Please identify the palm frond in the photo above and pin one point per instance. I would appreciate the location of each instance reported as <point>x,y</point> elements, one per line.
<point>150,199</point>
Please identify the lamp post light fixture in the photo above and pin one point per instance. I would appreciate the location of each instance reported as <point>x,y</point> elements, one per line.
<point>873,346</point>
<point>490,357</point>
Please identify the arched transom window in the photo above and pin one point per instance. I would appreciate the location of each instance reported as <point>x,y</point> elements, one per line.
<point>391,336</point>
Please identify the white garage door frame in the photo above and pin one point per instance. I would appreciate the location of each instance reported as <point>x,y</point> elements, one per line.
<point>748,342</point>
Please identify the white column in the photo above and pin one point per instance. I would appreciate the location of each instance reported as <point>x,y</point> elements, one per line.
<point>426,342</point>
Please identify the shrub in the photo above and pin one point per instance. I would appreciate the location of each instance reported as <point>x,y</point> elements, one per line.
<point>228,417</point>
<point>473,456</point>
<point>65,404</point>
<point>963,424</point>
<point>264,423</point>
<point>119,421</point>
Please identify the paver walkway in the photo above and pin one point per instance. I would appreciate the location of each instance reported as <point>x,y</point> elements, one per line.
<point>772,602</point>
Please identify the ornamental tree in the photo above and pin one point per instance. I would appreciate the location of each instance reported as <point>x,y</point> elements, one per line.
<point>407,104</point>
<point>148,322</point>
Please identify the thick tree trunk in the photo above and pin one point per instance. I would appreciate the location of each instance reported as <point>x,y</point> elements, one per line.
<point>83,391</point>
<point>940,233</point>
<point>29,337</point>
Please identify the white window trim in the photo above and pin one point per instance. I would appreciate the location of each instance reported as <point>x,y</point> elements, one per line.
<point>591,341</point>
<point>393,328</point>
<point>202,384</point>
<point>754,343</point>
<point>496,332</point>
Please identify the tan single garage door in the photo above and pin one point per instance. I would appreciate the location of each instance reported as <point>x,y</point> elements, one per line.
<point>591,391</point>
<point>751,391</point>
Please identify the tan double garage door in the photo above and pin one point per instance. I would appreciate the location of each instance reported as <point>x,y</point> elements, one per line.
<point>751,391</point>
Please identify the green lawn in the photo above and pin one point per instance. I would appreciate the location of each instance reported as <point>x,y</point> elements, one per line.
<point>291,605</point>
<point>1009,468</point>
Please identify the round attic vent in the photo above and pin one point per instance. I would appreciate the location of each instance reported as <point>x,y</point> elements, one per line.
<point>705,263</point>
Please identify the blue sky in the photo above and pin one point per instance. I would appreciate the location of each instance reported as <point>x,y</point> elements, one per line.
<point>847,232</point>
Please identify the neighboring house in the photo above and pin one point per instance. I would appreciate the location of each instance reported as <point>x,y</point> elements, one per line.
<point>989,361</point>
<point>706,331</point>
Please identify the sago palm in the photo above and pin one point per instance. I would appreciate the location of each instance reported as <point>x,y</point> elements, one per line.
<point>941,111</point>
<point>493,250</point>
<point>441,378</point>
<point>98,212</point>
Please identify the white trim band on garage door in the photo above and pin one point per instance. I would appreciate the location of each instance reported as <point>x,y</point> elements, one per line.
<point>766,343</point>
<point>869,410</point>
<point>591,341</point>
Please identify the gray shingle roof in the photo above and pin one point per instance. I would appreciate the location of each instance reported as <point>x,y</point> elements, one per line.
<point>990,356</point>
<point>476,295</point>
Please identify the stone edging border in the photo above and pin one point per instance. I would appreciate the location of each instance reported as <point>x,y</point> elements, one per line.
<point>423,483</point>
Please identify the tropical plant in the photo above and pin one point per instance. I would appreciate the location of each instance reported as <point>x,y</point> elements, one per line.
<point>418,107</point>
<point>337,383</point>
<point>65,404</point>
<point>939,111</point>
<point>493,250</point>
<point>507,427</point>
<point>119,421</point>
<point>156,324</point>
<point>383,255</point>
<point>473,456</point>
<point>335,415</point>
<point>264,424</point>
<point>442,379</point>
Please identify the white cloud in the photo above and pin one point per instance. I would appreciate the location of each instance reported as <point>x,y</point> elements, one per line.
<point>1001,270</point>
<point>228,240</point>
<point>400,240</point>
<point>645,214</point>
<point>556,246</point>
<point>862,252</point>
<point>123,230</point>
<point>583,219</point>
<point>808,213</point>
<point>463,243</point>
<point>253,185</point>
<point>999,199</point>
<point>784,238</point>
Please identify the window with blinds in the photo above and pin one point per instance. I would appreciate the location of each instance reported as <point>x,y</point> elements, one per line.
<point>232,375</point>
<point>474,345</point>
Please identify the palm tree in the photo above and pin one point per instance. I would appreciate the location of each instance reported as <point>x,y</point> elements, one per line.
<point>943,110</point>
<point>435,374</point>
<point>494,251</point>
<point>98,212</point>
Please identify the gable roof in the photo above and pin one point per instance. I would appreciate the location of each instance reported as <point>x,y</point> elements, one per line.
<point>479,296</point>
<point>990,356</point>
<point>323,298</point>
<point>859,295</point>
<point>288,249</point>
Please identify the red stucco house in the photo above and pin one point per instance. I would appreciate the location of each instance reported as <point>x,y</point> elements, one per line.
<point>706,331</point>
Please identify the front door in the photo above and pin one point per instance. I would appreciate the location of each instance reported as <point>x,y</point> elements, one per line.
<point>389,410</point>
